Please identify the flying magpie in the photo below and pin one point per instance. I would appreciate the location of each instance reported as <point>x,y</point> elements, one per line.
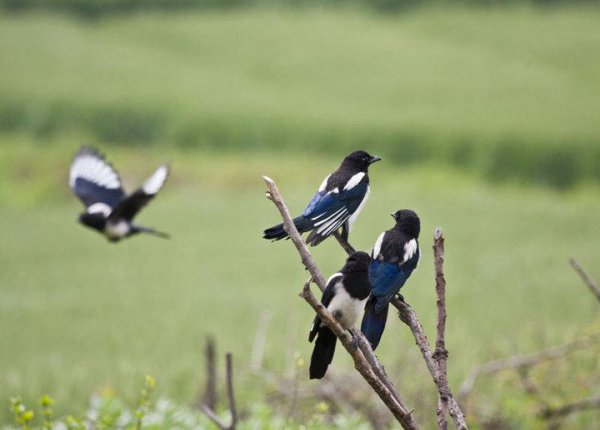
<point>394,257</point>
<point>336,204</point>
<point>344,297</point>
<point>96,183</point>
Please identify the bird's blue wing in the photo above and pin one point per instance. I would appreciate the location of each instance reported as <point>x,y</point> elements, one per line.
<point>386,280</point>
<point>93,180</point>
<point>327,211</point>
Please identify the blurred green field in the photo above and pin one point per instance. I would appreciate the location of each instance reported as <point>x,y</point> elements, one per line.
<point>446,96</point>
<point>79,314</point>
<point>508,93</point>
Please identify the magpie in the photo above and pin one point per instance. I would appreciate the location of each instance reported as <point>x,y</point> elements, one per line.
<point>336,204</point>
<point>107,209</point>
<point>344,297</point>
<point>394,257</point>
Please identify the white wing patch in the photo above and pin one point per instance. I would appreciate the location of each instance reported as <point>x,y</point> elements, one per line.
<point>410,249</point>
<point>324,184</point>
<point>154,183</point>
<point>94,169</point>
<point>353,181</point>
<point>333,222</point>
<point>377,247</point>
<point>101,208</point>
<point>335,275</point>
<point>358,209</point>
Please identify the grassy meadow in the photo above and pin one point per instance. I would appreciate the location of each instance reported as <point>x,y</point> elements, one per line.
<point>446,97</point>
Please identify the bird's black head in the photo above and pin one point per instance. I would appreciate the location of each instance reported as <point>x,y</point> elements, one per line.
<point>408,222</point>
<point>96,221</point>
<point>360,160</point>
<point>357,262</point>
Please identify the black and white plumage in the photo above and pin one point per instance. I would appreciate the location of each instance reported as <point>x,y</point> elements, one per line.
<point>344,297</point>
<point>394,257</point>
<point>107,209</point>
<point>337,203</point>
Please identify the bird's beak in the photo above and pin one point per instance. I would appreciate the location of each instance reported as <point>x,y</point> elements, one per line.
<point>374,159</point>
<point>393,214</point>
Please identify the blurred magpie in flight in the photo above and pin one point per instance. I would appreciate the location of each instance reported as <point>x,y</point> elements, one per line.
<point>395,256</point>
<point>107,210</point>
<point>336,204</point>
<point>344,297</point>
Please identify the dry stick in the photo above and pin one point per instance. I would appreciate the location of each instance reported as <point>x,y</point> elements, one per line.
<point>210,397</point>
<point>260,340</point>
<point>521,361</point>
<point>586,278</point>
<point>408,316</point>
<point>398,409</point>
<point>344,243</point>
<point>569,408</point>
<point>230,397</point>
<point>389,397</point>
<point>441,354</point>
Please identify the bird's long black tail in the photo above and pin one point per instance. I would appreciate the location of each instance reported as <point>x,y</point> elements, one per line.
<point>277,232</point>
<point>373,322</point>
<point>322,354</point>
<point>141,229</point>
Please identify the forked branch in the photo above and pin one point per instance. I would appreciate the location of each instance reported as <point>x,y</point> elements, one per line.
<point>210,413</point>
<point>363,356</point>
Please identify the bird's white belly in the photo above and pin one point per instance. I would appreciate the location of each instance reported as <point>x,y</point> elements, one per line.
<point>345,309</point>
<point>117,230</point>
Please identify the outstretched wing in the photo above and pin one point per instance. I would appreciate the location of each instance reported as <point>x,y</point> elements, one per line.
<point>94,181</point>
<point>130,206</point>
<point>325,300</point>
<point>329,210</point>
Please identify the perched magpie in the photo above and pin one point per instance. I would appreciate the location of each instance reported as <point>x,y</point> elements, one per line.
<point>336,204</point>
<point>344,297</point>
<point>394,257</point>
<point>107,210</point>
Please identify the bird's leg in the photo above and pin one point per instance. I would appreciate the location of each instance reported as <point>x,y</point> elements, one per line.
<point>401,298</point>
<point>345,232</point>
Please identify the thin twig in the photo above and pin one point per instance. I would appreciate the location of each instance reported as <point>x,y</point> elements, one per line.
<point>260,340</point>
<point>586,278</point>
<point>362,365</point>
<point>441,354</point>
<point>569,408</point>
<point>230,393</point>
<point>408,316</point>
<point>209,412</point>
<point>520,361</point>
<point>344,243</point>
<point>290,228</point>
<point>210,396</point>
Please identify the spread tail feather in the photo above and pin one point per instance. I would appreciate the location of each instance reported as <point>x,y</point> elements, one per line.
<point>277,232</point>
<point>373,322</point>
<point>322,354</point>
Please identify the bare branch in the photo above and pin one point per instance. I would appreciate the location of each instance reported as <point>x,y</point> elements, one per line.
<point>230,393</point>
<point>290,229</point>
<point>344,243</point>
<point>362,364</point>
<point>210,397</point>
<point>441,354</point>
<point>586,278</point>
<point>520,361</point>
<point>569,408</point>
<point>408,316</point>
<point>258,348</point>
<point>210,413</point>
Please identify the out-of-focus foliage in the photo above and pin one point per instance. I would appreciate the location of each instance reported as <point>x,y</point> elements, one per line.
<point>108,412</point>
<point>509,94</point>
<point>99,8</point>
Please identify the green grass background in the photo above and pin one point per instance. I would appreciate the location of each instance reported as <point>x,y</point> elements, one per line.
<point>447,97</point>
